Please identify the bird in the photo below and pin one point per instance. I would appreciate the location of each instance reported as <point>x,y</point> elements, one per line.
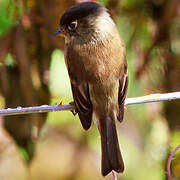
<point>95,58</point>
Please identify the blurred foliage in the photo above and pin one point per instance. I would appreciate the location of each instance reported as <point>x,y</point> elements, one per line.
<point>6,18</point>
<point>151,32</point>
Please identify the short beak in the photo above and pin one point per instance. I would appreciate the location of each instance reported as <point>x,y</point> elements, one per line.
<point>58,33</point>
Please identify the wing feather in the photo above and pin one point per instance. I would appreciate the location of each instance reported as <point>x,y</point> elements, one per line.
<point>123,85</point>
<point>83,103</point>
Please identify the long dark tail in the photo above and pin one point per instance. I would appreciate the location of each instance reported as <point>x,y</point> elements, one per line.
<point>111,155</point>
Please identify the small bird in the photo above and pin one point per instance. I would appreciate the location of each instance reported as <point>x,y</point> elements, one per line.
<point>96,63</point>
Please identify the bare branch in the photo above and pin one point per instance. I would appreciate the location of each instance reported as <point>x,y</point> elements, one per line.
<point>129,101</point>
<point>153,98</point>
<point>169,162</point>
<point>114,175</point>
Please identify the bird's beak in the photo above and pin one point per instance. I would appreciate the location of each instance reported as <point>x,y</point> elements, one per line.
<point>58,33</point>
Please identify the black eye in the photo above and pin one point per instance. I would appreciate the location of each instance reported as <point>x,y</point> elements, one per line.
<point>72,26</point>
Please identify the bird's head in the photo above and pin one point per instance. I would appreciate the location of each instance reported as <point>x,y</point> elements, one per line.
<point>85,22</point>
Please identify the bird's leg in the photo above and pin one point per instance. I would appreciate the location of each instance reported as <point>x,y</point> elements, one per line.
<point>74,111</point>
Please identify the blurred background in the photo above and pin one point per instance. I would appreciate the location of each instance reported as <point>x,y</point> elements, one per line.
<point>53,146</point>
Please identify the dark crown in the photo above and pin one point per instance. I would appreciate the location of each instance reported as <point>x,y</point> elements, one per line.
<point>80,11</point>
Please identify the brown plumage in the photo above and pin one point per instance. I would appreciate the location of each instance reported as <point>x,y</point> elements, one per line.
<point>96,63</point>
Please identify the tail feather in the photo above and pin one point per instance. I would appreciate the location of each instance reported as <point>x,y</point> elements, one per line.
<point>111,155</point>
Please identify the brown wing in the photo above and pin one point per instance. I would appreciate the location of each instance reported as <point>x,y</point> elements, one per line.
<point>83,103</point>
<point>123,85</point>
<point>80,89</point>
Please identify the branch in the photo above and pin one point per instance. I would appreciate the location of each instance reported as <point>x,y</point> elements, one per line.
<point>129,101</point>
<point>114,175</point>
<point>169,162</point>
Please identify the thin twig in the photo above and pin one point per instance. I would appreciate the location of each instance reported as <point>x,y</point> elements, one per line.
<point>129,101</point>
<point>169,162</point>
<point>114,175</point>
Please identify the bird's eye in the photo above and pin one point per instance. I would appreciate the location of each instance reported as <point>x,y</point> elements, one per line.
<point>72,26</point>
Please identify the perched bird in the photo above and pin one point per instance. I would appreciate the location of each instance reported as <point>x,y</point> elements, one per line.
<point>96,63</point>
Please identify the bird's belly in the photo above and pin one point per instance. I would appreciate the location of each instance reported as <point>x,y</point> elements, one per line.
<point>104,96</point>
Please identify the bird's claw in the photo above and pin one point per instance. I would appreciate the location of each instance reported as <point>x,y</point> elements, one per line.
<point>74,112</point>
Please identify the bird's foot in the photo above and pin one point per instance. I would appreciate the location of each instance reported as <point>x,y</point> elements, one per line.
<point>74,111</point>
